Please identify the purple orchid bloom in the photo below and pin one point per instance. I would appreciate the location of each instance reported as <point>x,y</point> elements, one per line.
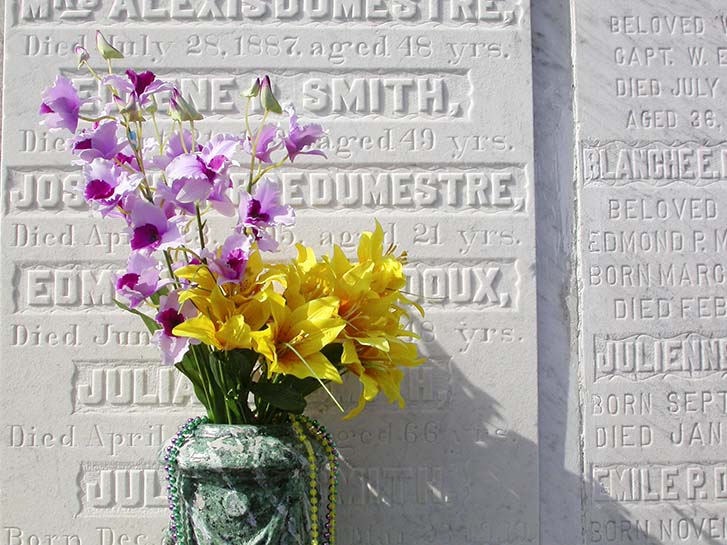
<point>301,136</point>
<point>140,280</point>
<point>170,315</point>
<point>126,157</point>
<point>262,209</point>
<point>172,149</point>
<point>61,105</point>
<point>166,199</point>
<point>151,229</point>
<point>100,141</point>
<point>200,176</point>
<point>137,87</point>
<point>106,186</point>
<point>265,146</point>
<point>230,261</point>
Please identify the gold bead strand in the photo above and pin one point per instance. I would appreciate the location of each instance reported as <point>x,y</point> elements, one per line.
<point>313,479</point>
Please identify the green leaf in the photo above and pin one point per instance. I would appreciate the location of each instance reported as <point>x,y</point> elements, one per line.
<point>215,367</point>
<point>304,387</point>
<point>333,352</point>
<point>150,323</point>
<point>189,369</point>
<point>219,386</point>
<point>280,396</point>
<point>240,363</point>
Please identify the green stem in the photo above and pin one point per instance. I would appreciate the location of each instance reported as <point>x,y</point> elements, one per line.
<point>254,150</point>
<point>93,72</point>
<point>95,119</point>
<point>181,138</point>
<point>168,259</point>
<point>156,129</point>
<point>247,116</point>
<point>200,227</point>
<point>204,380</point>
<point>268,169</point>
<point>221,373</point>
<point>301,358</point>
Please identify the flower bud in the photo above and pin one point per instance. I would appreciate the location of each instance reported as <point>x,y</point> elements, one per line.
<point>81,54</point>
<point>153,107</point>
<point>267,99</point>
<point>181,110</point>
<point>254,89</point>
<point>107,50</point>
<point>130,109</point>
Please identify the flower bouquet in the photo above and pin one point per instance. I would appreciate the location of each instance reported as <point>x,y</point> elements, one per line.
<point>255,336</point>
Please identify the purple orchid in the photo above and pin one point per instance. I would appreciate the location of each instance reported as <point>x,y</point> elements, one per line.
<point>230,261</point>
<point>136,87</point>
<point>151,229</point>
<point>170,315</point>
<point>301,136</point>
<point>140,280</point>
<point>106,186</point>
<point>166,199</point>
<point>200,176</point>
<point>126,157</point>
<point>100,141</point>
<point>61,105</point>
<point>265,143</point>
<point>262,209</point>
<point>173,148</point>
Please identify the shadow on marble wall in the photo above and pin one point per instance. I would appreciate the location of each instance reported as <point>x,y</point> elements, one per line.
<point>471,479</point>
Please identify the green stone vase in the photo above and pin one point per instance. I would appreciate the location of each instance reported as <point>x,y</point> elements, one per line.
<point>244,485</point>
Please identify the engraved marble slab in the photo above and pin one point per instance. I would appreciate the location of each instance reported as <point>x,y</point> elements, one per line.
<point>429,110</point>
<point>651,90</point>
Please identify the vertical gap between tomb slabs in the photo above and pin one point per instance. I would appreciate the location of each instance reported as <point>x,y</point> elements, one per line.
<point>576,277</point>
<point>555,185</point>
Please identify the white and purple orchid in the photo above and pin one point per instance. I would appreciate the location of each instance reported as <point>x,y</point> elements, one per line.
<point>136,87</point>
<point>229,261</point>
<point>265,143</point>
<point>177,144</point>
<point>61,105</point>
<point>203,175</point>
<point>106,185</point>
<point>261,210</point>
<point>150,229</point>
<point>300,137</point>
<point>141,279</point>
<point>170,315</point>
<point>101,141</point>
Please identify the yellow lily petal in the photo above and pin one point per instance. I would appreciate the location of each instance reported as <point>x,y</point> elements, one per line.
<point>375,342</point>
<point>199,274</point>
<point>262,343</point>
<point>349,354</point>
<point>327,333</point>
<point>201,328</point>
<point>235,333</point>
<point>369,392</point>
<point>315,366</point>
<point>339,261</point>
<point>314,311</point>
<point>306,258</point>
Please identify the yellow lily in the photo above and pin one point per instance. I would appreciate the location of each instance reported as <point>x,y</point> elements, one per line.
<point>293,342</point>
<point>378,371</point>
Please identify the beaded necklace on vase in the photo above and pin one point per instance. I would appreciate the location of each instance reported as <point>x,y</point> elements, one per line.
<point>300,424</point>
